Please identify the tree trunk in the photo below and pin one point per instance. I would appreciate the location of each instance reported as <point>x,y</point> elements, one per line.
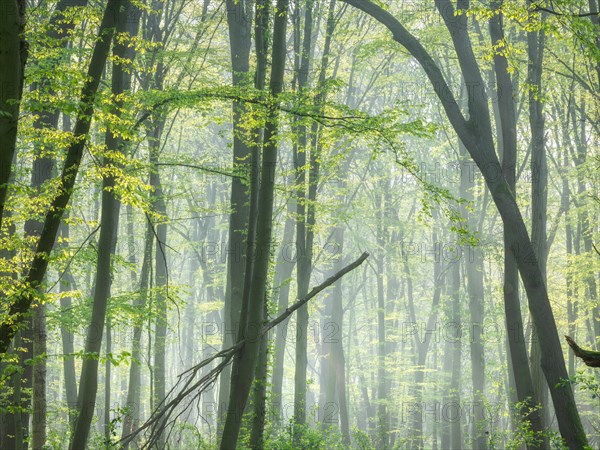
<point>455,422</point>
<point>474,272</point>
<point>422,346</point>
<point>304,230</point>
<point>383,422</point>
<point>285,266</point>
<point>67,283</point>
<point>12,73</point>
<point>88,384</point>
<point>239,20</point>
<point>132,405</point>
<point>244,364</point>
<point>160,271</point>
<point>539,198</point>
<point>107,383</point>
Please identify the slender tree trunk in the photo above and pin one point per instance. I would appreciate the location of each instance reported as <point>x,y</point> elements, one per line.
<point>422,346</point>
<point>473,258</point>
<point>67,283</point>
<point>132,405</point>
<point>160,272</point>
<point>304,230</point>
<point>88,385</point>
<point>260,383</point>
<point>239,20</point>
<point>383,424</point>
<point>107,383</point>
<point>571,300</point>
<point>244,364</point>
<point>539,196</point>
<point>456,428</point>
<point>285,266</point>
<point>260,393</point>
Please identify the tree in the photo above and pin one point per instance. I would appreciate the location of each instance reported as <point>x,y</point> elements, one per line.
<point>476,134</point>
<point>252,315</point>
<point>121,83</point>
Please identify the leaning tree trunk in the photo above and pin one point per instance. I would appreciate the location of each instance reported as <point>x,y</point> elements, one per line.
<point>476,135</point>
<point>512,304</point>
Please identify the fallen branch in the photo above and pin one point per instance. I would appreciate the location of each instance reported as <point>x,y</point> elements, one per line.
<point>160,419</point>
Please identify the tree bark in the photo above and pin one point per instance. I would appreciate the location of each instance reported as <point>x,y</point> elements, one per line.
<point>539,197</point>
<point>12,73</point>
<point>304,224</point>
<point>132,405</point>
<point>475,291</point>
<point>160,271</point>
<point>67,283</point>
<point>285,266</point>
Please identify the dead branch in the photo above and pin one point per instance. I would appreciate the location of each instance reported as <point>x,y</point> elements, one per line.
<point>589,357</point>
<point>186,389</point>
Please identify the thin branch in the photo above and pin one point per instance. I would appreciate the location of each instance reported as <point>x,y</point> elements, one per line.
<point>202,168</point>
<point>73,257</point>
<point>556,13</point>
<point>328,282</point>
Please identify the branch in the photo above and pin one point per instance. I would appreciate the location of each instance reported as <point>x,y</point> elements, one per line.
<point>247,99</point>
<point>589,357</point>
<point>328,282</point>
<point>159,419</point>
<point>202,168</point>
<point>432,70</point>
<point>538,8</point>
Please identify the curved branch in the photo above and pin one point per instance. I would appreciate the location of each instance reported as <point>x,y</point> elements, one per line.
<point>589,357</point>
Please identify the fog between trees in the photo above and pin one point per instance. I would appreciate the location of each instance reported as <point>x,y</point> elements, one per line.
<point>299,224</point>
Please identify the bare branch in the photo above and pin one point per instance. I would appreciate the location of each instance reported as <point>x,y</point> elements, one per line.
<point>160,418</point>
